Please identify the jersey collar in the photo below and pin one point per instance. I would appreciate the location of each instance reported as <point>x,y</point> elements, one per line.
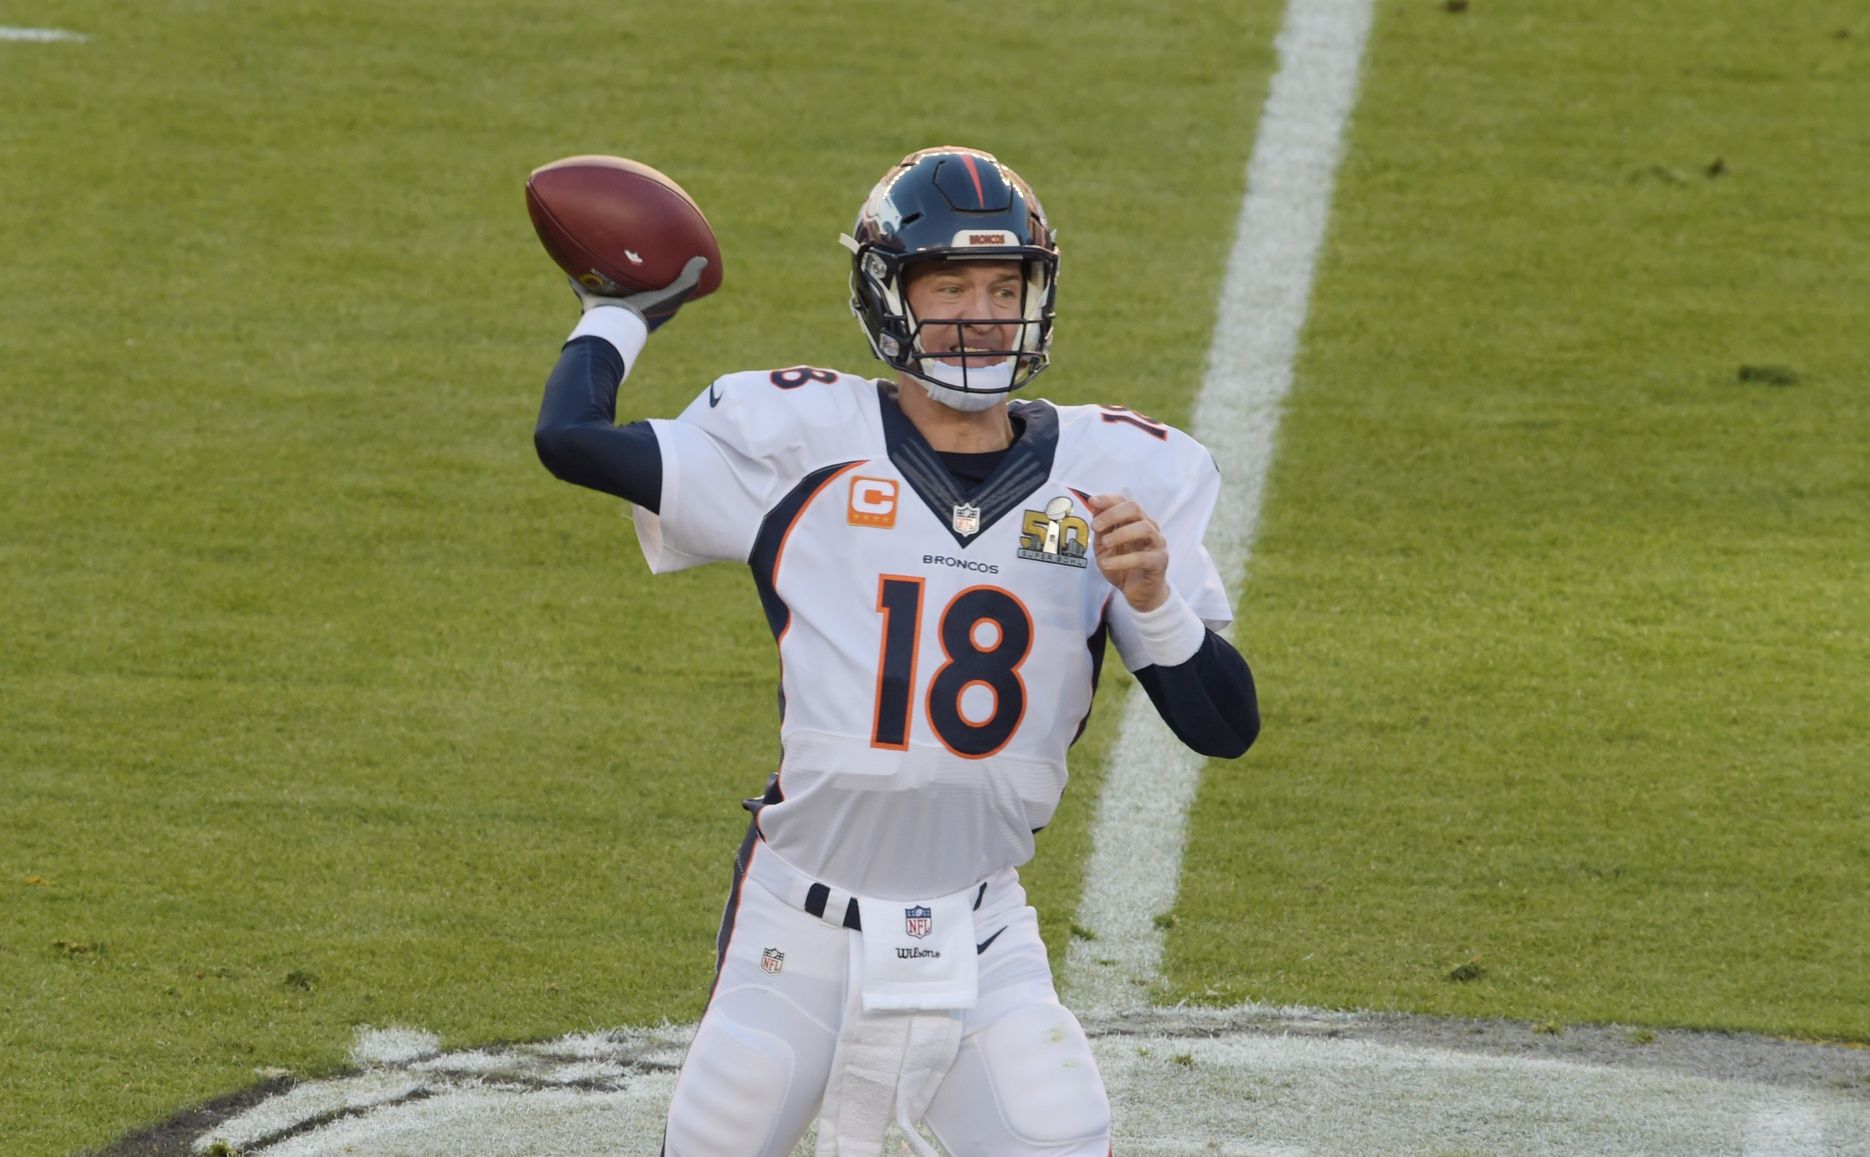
<point>1028,463</point>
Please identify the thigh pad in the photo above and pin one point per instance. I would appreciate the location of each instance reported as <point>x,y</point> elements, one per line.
<point>1025,1086</point>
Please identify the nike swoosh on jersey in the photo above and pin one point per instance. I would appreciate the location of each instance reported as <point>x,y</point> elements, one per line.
<point>985,944</point>
<point>714,397</point>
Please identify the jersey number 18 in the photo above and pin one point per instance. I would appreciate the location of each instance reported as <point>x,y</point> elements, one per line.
<point>985,633</point>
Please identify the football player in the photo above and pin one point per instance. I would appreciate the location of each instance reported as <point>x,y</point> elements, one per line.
<point>942,568</point>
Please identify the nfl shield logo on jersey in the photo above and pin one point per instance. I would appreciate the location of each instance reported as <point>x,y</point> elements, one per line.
<point>772,960</point>
<point>966,518</point>
<point>918,921</point>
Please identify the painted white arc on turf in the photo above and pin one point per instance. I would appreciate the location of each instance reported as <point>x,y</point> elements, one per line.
<point>1142,817</point>
<point>1181,1087</point>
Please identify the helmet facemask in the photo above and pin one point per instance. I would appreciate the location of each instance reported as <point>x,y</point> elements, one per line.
<point>924,349</point>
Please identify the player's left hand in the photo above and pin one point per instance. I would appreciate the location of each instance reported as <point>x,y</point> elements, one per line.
<point>1130,550</point>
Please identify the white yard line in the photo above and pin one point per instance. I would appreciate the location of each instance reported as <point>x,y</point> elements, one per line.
<point>1142,817</point>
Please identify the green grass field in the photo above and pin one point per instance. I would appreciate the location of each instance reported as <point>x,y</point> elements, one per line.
<point>322,704</point>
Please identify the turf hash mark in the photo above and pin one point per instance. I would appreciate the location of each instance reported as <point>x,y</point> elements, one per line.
<point>41,35</point>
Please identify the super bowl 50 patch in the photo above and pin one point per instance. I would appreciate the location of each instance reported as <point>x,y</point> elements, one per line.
<point>1054,534</point>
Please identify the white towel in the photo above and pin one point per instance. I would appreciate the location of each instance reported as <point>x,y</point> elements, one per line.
<point>913,970</point>
<point>920,954</point>
<point>888,1064</point>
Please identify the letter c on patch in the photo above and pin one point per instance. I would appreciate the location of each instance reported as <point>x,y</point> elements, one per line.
<point>873,502</point>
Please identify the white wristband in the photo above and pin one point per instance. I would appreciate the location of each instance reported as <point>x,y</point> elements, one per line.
<point>620,327</point>
<point>1172,633</point>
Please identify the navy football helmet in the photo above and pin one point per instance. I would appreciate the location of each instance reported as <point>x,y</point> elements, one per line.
<point>952,204</point>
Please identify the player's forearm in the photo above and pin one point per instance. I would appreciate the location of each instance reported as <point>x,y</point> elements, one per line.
<point>576,437</point>
<point>1209,701</point>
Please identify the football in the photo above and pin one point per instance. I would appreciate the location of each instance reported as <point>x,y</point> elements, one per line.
<point>619,226</point>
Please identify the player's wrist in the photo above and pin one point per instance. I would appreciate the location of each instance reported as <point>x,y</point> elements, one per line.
<point>1170,633</point>
<point>623,328</point>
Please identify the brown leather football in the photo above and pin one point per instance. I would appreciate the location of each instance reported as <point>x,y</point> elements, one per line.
<point>619,226</point>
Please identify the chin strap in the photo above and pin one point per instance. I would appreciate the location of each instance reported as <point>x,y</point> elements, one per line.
<point>970,391</point>
<point>966,401</point>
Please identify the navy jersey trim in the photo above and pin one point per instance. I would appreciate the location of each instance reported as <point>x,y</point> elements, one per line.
<point>1027,464</point>
<point>1096,645</point>
<point>743,859</point>
<point>770,542</point>
<point>731,909</point>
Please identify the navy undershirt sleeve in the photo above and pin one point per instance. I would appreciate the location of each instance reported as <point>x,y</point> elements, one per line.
<point>577,437</point>
<point>1209,701</point>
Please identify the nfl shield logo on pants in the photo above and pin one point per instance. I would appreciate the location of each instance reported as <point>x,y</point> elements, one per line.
<point>772,960</point>
<point>918,921</point>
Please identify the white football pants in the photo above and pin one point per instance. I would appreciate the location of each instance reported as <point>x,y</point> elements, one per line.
<point>1023,1085</point>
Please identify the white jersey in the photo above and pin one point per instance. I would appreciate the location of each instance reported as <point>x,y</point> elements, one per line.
<point>938,649</point>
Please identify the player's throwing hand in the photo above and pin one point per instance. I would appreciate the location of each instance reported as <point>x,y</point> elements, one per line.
<point>654,306</point>
<point>1130,550</point>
